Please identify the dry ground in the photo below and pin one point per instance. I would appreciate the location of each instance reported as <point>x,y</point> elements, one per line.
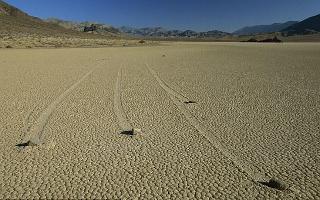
<point>253,114</point>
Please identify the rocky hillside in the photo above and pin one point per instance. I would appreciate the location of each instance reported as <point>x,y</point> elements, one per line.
<point>20,30</point>
<point>8,10</point>
<point>83,26</point>
<point>16,22</point>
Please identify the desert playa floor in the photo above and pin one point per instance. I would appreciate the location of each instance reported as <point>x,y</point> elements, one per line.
<point>210,120</point>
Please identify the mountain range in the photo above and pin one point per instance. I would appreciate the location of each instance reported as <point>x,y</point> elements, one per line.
<point>15,21</point>
<point>162,32</point>
<point>261,29</point>
<point>310,25</point>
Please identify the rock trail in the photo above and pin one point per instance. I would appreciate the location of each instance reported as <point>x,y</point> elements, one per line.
<point>124,124</point>
<point>179,101</point>
<point>169,89</point>
<point>34,134</point>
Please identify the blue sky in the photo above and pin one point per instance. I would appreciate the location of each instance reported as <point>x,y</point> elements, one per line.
<point>199,15</point>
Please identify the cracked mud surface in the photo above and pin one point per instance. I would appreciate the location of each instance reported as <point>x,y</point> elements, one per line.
<point>250,105</point>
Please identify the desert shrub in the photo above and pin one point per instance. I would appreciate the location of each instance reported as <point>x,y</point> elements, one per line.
<point>8,47</point>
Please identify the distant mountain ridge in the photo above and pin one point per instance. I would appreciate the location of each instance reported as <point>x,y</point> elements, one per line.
<point>162,32</point>
<point>137,32</point>
<point>260,29</point>
<point>310,25</point>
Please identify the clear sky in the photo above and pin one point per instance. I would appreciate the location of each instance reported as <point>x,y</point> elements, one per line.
<point>199,15</point>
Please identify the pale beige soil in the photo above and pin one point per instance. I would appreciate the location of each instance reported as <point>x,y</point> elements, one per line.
<point>256,116</point>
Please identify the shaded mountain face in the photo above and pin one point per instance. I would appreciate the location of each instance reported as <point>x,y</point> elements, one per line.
<point>261,29</point>
<point>81,26</point>
<point>310,25</point>
<point>161,32</point>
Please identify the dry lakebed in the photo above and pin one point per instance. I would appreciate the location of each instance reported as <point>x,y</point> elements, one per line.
<point>181,120</point>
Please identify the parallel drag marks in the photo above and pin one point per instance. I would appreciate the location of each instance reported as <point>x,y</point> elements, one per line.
<point>180,102</point>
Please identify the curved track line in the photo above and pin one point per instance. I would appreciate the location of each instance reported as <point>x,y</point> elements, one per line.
<point>36,131</point>
<point>125,126</point>
<point>26,125</point>
<point>167,88</point>
<point>243,167</point>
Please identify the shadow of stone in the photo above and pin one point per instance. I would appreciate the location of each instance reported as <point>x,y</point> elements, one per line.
<point>128,132</point>
<point>26,144</point>
<point>275,184</point>
<point>189,102</point>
